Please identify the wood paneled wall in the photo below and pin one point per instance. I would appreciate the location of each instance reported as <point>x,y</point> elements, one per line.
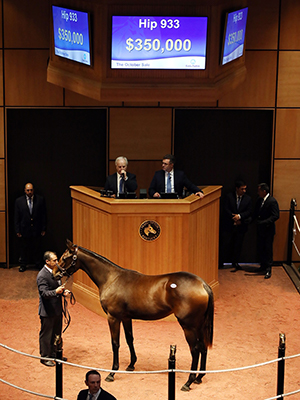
<point>144,130</point>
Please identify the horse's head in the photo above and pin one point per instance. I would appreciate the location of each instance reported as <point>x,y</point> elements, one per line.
<point>67,262</point>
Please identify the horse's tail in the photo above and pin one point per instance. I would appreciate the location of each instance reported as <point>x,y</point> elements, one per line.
<point>208,326</point>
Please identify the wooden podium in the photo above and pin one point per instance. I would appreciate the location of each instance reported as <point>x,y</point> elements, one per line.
<point>152,236</point>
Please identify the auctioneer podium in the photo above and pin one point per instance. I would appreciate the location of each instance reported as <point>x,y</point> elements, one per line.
<point>152,236</point>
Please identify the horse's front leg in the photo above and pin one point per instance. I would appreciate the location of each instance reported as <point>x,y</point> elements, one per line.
<point>127,324</point>
<point>114,326</point>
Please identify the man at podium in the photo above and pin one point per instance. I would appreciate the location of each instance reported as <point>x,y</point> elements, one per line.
<point>168,180</point>
<point>121,181</point>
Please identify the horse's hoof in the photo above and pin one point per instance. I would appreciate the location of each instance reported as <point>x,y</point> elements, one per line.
<point>198,381</point>
<point>110,378</point>
<point>129,368</point>
<point>185,388</point>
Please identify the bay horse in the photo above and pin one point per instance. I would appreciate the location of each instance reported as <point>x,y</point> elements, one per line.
<point>127,294</point>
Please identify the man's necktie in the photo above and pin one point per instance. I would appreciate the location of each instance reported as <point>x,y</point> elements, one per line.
<point>169,183</point>
<point>30,205</point>
<point>121,186</point>
<point>91,396</point>
<point>238,202</point>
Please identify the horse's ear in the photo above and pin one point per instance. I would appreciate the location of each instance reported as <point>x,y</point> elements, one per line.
<point>69,244</point>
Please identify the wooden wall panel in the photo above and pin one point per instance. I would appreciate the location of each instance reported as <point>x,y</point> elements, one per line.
<point>25,79</point>
<point>289,79</point>
<point>78,100</point>
<point>2,185</point>
<point>287,137</point>
<point>199,103</point>
<point>26,24</point>
<point>1,133</point>
<point>289,25</point>
<point>262,25</point>
<point>1,78</point>
<point>258,90</point>
<point>286,177</point>
<point>1,23</point>
<point>140,133</point>
<point>2,238</point>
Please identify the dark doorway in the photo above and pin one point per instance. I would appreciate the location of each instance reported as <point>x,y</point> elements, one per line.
<point>54,149</point>
<point>216,147</point>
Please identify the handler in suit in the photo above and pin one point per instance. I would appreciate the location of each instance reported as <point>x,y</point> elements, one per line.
<point>121,181</point>
<point>236,216</point>
<point>50,308</point>
<point>169,180</point>
<point>266,212</point>
<point>94,391</point>
<point>30,226</point>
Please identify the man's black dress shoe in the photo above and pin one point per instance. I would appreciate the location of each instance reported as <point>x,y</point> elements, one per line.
<point>268,275</point>
<point>22,268</point>
<point>48,363</point>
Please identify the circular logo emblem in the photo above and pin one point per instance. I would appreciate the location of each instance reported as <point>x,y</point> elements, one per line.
<point>149,230</point>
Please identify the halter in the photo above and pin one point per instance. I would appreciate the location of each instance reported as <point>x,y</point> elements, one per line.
<point>63,270</point>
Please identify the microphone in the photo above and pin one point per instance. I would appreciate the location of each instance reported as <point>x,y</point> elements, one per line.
<point>123,175</point>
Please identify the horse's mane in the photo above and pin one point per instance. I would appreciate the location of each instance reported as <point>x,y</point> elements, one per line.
<point>98,256</point>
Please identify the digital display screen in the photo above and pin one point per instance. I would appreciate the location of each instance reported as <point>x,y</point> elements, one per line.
<point>71,34</point>
<point>158,42</point>
<point>234,38</point>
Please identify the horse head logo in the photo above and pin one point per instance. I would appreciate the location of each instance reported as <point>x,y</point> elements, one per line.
<point>149,230</point>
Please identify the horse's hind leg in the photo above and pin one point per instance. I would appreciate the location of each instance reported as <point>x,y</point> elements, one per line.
<point>127,324</point>
<point>114,326</point>
<point>202,365</point>
<point>195,352</point>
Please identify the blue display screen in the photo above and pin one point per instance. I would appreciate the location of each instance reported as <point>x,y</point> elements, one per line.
<point>158,42</point>
<point>71,34</point>
<point>234,39</point>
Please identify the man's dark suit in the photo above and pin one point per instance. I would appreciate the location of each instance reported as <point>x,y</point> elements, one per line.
<point>50,311</point>
<point>232,235</point>
<point>104,395</point>
<point>180,181</point>
<point>266,216</point>
<point>30,227</point>
<point>130,183</point>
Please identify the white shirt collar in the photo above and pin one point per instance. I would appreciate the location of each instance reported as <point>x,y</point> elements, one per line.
<point>171,172</point>
<point>49,269</point>
<point>95,396</point>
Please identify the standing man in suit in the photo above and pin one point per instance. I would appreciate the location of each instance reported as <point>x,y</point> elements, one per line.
<point>30,226</point>
<point>236,217</point>
<point>121,181</point>
<point>266,212</point>
<point>50,308</point>
<point>94,391</point>
<point>168,180</point>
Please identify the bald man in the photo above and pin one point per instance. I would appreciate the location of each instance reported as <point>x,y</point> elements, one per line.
<point>30,226</point>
